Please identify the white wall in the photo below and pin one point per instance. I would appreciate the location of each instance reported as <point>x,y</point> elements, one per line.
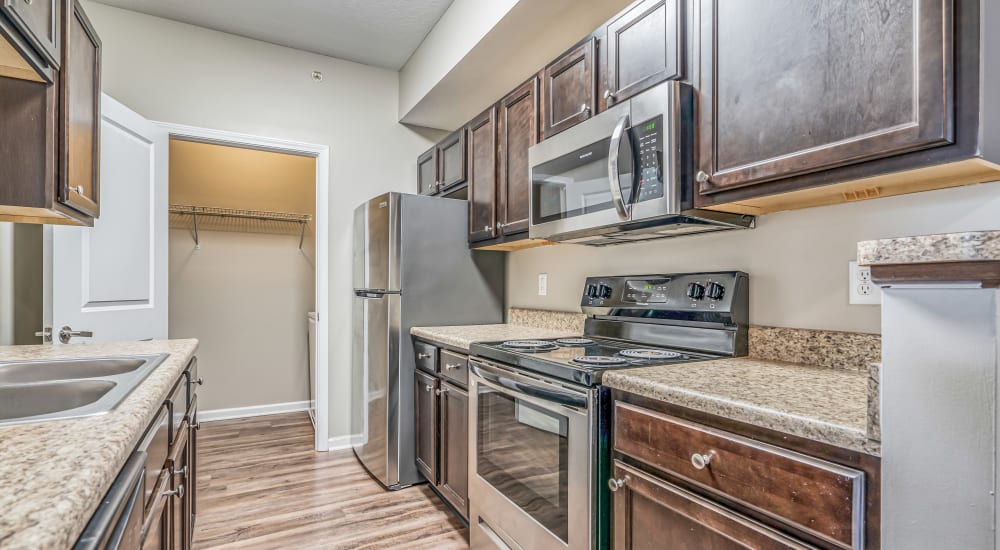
<point>183,74</point>
<point>6,284</point>
<point>797,260</point>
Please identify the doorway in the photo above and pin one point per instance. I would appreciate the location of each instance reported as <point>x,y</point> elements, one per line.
<point>248,270</point>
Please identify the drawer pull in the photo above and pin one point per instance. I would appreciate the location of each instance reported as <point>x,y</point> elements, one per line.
<point>423,356</point>
<point>178,492</point>
<point>701,461</point>
<point>452,367</point>
<point>615,484</point>
<point>427,387</point>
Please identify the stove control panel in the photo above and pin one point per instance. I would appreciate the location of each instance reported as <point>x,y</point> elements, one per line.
<point>721,292</point>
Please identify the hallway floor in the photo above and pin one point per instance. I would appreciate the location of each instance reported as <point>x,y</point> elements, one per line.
<point>261,485</point>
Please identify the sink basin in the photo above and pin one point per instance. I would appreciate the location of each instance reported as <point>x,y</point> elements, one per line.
<point>57,389</point>
<point>66,369</point>
<point>39,399</point>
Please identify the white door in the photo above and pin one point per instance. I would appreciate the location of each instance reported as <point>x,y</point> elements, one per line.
<point>111,279</point>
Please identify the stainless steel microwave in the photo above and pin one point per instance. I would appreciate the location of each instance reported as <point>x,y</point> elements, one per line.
<point>623,176</point>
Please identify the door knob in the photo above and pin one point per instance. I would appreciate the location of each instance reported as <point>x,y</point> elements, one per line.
<point>66,334</point>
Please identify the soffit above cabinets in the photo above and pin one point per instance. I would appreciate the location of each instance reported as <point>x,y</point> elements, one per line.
<point>381,33</point>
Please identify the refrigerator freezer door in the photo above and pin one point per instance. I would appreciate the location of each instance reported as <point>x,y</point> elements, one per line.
<point>376,244</point>
<point>375,381</point>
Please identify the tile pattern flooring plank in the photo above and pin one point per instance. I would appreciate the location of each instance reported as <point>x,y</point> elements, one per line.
<point>261,485</point>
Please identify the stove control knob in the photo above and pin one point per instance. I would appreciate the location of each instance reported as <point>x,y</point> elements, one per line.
<point>696,291</point>
<point>604,291</point>
<point>591,291</point>
<point>715,291</point>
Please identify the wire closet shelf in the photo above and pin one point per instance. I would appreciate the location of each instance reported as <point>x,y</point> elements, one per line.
<point>240,213</point>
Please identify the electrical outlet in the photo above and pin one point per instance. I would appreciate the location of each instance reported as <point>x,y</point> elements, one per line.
<point>543,284</point>
<point>861,288</point>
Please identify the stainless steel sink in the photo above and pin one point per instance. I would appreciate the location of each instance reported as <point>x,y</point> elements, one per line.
<point>34,391</point>
<point>67,369</point>
<point>38,399</point>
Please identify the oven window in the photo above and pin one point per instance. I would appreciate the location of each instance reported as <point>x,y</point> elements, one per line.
<point>577,183</point>
<point>522,452</point>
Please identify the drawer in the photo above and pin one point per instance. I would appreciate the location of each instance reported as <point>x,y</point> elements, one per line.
<point>426,356</point>
<point>455,367</point>
<point>818,497</point>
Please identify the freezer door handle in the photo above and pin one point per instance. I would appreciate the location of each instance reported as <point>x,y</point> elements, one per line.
<point>369,294</point>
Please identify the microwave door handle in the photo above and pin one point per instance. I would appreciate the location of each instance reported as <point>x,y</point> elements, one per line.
<point>624,210</point>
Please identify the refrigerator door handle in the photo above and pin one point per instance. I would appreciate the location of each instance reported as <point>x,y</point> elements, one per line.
<point>369,294</point>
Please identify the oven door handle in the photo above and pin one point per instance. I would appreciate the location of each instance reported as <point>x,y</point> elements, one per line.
<point>614,179</point>
<point>555,396</point>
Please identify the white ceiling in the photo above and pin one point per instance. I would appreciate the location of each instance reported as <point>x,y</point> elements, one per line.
<point>382,33</point>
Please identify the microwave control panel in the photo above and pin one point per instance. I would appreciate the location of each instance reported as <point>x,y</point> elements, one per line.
<point>648,139</point>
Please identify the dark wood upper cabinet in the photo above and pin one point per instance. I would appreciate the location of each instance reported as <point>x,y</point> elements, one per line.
<point>80,101</point>
<point>569,89</point>
<point>790,87</point>
<point>452,158</point>
<point>454,468</point>
<point>427,183</point>
<point>426,421</point>
<point>482,136</point>
<point>643,48</point>
<point>518,131</point>
<point>38,22</point>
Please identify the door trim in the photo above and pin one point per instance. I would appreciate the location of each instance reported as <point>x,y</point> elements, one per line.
<point>322,155</point>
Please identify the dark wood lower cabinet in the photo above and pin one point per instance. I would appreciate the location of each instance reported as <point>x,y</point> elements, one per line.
<point>426,420</point>
<point>650,513</point>
<point>441,409</point>
<point>454,437</point>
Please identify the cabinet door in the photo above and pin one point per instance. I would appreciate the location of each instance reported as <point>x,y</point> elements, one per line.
<point>482,136</point>
<point>648,511</point>
<point>451,155</point>
<point>427,183</point>
<point>38,22</point>
<point>426,421</point>
<point>518,131</point>
<point>568,90</point>
<point>80,98</point>
<point>643,49</point>
<point>455,447</point>
<point>791,87</point>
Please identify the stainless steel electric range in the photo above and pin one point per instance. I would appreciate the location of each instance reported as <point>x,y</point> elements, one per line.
<point>539,441</point>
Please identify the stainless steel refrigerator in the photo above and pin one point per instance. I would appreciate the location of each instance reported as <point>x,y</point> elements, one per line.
<point>412,267</point>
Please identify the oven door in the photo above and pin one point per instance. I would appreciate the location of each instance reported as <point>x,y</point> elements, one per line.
<point>530,460</point>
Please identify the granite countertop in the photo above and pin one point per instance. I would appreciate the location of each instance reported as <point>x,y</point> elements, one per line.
<point>817,403</point>
<point>948,247</point>
<point>54,474</point>
<point>462,337</point>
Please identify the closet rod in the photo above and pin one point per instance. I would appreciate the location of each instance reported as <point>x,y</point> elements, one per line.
<point>262,215</point>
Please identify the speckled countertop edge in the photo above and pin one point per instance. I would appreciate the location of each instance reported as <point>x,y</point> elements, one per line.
<point>816,403</point>
<point>947,247</point>
<point>54,474</point>
<point>462,337</point>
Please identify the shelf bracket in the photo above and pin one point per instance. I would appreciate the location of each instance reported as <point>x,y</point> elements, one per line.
<point>302,235</point>
<point>197,242</point>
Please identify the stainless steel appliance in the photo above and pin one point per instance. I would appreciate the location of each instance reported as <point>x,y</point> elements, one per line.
<point>625,175</point>
<point>538,440</point>
<point>412,266</point>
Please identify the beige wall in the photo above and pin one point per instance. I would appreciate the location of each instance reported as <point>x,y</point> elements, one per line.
<point>20,283</point>
<point>183,74</point>
<point>797,261</point>
<point>246,292</point>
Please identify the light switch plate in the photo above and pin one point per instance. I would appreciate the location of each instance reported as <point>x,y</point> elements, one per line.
<point>543,284</point>
<point>861,288</point>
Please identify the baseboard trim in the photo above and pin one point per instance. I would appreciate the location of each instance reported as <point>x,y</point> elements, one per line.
<point>256,410</point>
<point>342,442</point>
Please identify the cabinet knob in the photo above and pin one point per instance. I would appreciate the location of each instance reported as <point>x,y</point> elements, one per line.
<point>28,2</point>
<point>179,492</point>
<point>701,176</point>
<point>78,189</point>
<point>584,109</point>
<point>608,94</point>
<point>441,391</point>
<point>615,484</point>
<point>423,355</point>
<point>486,228</point>
<point>452,367</point>
<point>427,387</point>
<point>701,461</point>
<point>200,381</point>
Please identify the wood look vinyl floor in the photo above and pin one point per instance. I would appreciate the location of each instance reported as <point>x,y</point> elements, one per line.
<point>261,485</point>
